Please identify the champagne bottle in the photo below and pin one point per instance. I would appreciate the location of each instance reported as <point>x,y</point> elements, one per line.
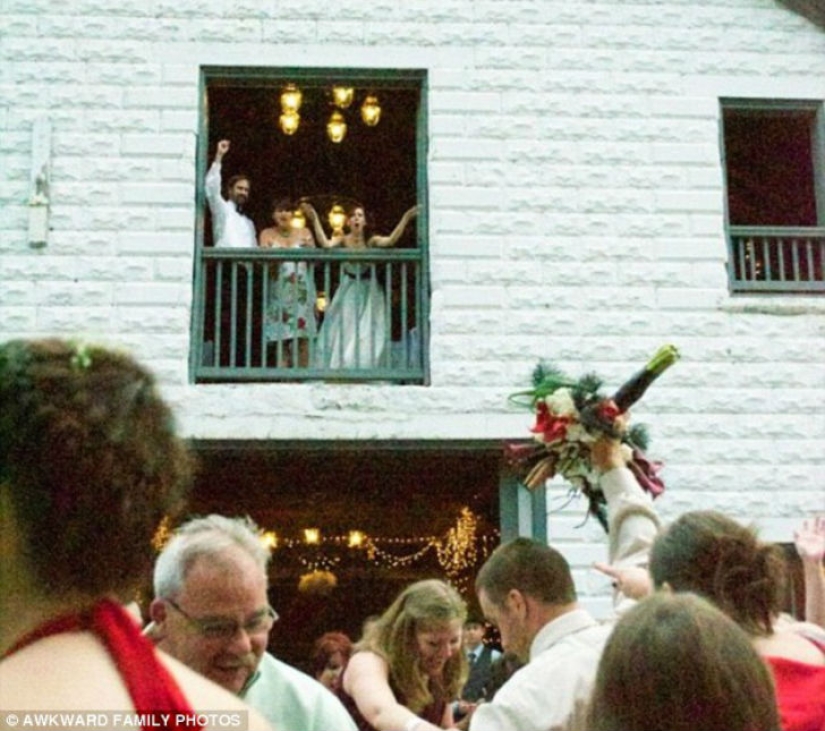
<point>633,389</point>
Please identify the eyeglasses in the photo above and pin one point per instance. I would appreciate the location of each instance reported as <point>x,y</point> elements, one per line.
<point>225,629</point>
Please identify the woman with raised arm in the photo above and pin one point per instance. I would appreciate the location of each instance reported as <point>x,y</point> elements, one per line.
<point>355,332</point>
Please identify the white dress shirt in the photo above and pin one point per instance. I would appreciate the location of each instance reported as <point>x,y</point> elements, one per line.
<point>230,227</point>
<point>552,691</point>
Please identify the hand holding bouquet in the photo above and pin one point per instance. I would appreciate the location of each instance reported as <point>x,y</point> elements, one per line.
<point>572,416</point>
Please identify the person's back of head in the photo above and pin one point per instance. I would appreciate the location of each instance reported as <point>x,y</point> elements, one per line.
<point>532,568</point>
<point>91,463</point>
<point>676,662</point>
<point>211,537</point>
<point>707,553</point>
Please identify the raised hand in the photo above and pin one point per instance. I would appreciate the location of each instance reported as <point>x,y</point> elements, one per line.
<point>221,149</point>
<point>810,540</point>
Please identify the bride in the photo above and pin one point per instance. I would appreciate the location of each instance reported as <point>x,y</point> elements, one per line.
<point>355,332</point>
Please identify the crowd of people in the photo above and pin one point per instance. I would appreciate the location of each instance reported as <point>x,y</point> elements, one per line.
<point>90,463</point>
<point>355,329</point>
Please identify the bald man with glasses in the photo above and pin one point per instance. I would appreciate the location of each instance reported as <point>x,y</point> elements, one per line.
<point>211,612</point>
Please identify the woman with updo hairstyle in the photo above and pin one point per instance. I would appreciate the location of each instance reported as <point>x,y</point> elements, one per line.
<point>707,553</point>
<point>676,662</point>
<point>90,465</point>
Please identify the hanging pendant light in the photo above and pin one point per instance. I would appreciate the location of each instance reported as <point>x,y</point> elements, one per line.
<point>291,98</point>
<point>371,110</point>
<point>299,220</point>
<point>289,121</point>
<point>336,127</point>
<point>342,96</point>
<point>337,218</point>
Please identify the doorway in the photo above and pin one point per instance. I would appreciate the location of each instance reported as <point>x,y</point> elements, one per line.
<point>351,524</point>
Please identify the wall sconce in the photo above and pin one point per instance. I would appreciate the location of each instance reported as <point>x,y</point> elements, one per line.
<point>289,122</point>
<point>291,98</point>
<point>337,218</point>
<point>336,127</point>
<point>312,536</point>
<point>371,111</point>
<point>342,96</point>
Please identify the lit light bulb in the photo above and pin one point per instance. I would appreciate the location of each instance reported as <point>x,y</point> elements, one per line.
<point>371,111</point>
<point>299,220</point>
<point>289,122</point>
<point>291,98</point>
<point>342,96</point>
<point>336,127</point>
<point>270,539</point>
<point>356,539</point>
<point>337,218</point>
<point>312,535</point>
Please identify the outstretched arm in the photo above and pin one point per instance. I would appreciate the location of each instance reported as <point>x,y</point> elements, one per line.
<point>315,226</point>
<point>634,523</point>
<point>810,544</point>
<point>366,680</point>
<point>398,231</point>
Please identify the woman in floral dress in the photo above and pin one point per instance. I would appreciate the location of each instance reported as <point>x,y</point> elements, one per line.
<point>289,321</point>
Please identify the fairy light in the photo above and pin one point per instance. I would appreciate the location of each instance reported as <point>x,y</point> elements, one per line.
<point>458,551</point>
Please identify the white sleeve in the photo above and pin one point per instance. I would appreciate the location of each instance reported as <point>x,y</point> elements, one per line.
<point>633,523</point>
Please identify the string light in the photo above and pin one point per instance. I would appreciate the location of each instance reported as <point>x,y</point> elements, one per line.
<point>458,551</point>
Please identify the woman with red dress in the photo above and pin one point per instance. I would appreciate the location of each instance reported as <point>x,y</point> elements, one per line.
<point>89,466</point>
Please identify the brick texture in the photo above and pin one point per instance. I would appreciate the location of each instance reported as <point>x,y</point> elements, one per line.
<point>576,213</point>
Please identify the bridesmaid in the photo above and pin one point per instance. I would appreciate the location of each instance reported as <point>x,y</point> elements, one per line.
<point>289,322</point>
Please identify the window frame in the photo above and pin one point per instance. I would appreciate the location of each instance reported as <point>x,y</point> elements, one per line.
<point>373,78</point>
<point>761,236</point>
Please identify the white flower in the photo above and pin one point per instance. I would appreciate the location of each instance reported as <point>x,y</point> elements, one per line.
<point>560,402</point>
<point>577,433</point>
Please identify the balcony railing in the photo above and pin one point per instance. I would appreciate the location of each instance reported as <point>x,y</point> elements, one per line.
<point>310,314</point>
<point>762,259</point>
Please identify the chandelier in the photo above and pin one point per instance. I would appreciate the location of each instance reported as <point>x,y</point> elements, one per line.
<point>342,99</point>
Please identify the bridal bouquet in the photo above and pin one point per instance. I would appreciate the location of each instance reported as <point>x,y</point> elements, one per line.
<point>573,414</point>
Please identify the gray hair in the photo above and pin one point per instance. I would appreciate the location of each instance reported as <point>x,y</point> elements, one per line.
<point>205,537</point>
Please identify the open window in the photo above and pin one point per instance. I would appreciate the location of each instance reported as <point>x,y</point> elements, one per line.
<point>355,138</point>
<point>774,154</point>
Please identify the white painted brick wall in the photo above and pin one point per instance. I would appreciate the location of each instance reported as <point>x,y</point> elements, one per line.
<point>576,213</point>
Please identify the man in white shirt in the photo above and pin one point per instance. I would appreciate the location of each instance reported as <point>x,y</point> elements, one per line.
<point>231,228</point>
<point>526,589</point>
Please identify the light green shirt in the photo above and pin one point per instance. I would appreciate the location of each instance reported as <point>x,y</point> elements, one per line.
<point>292,701</point>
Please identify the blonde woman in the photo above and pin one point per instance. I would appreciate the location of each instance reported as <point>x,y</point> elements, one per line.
<point>409,665</point>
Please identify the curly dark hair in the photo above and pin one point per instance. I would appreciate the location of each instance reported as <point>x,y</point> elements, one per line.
<point>705,552</point>
<point>91,463</point>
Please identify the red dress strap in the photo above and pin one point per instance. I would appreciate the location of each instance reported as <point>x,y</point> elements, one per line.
<point>152,688</point>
